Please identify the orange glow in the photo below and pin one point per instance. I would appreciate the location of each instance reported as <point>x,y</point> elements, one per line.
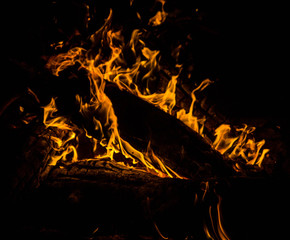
<point>100,104</point>
<point>241,146</point>
<point>136,78</point>
<point>223,142</point>
<point>217,230</point>
<point>159,17</point>
<point>62,147</point>
<point>220,229</point>
<point>108,64</point>
<point>195,123</point>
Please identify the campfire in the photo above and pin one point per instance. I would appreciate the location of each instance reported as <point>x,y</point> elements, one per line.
<point>120,140</point>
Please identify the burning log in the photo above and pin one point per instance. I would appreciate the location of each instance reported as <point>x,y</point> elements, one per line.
<point>70,190</point>
<point>183,149</point>
<point>90,195</point>
<point>142,124</point>
<point>110,160</point>
<point>91,199</point>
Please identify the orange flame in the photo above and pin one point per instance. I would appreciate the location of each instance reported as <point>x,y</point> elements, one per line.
<point>62,148</point>
<point>159,17</point>
<point>195,123</point>
<point>240,146</point>
<point>113,68</point>
<point>216,224</point>
<point>223,142</point>
<point>100,104</point>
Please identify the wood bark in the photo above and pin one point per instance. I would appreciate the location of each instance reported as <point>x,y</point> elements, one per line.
<point>73,200</point>
<point>182,149</point>
<point>76,199</point>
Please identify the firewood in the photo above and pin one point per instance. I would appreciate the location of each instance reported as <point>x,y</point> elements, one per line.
<point>89,199</point>
<point>181,148</point>
<point>139,123</point>
<point>102,194</point>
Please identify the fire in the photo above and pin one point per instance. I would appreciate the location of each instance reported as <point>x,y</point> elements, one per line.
<point>223,141</point>
<point>159,17</point>
<point>195,123</point>
<point>218,231</point>
<point>102,68</point>
<point>100,106</point>
<point>240,146</point>
<point>105,62</point>
<point>61,135</point>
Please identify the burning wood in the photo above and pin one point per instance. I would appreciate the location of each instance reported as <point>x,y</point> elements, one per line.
<point>113,68</point>
<point>126,139</point>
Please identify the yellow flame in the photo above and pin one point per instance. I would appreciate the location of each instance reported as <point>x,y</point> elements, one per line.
<point>216,223</point>
<point>165,101</point>
<point>101,68</point>
<point>223,142</point>
<point>159,17</point>
<point>116,144</point>
<point>221,231</point>
<point>135,79</point>
<point>62,148</point>
<point>192,121</point>
<point>100,104</point>
<point>240,146</point>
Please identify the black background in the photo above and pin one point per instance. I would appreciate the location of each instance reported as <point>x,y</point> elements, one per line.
<point>244,50</point>
<point>247,50</point>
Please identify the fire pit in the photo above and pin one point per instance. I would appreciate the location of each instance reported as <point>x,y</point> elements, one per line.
<point>116,133</point>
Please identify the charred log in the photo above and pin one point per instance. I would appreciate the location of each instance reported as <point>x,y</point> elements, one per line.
<point>183,149</point>
<point>91,199</point>
<point>77,199</point>
<point>139,123</point>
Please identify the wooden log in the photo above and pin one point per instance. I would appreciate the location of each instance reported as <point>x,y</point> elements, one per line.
<point>78,198</point>
<point>181,148</point>
<point>139,123</point>
<point>75,200</point>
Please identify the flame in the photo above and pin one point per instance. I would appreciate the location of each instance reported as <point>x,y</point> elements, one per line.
<point>240,146</point>
<point>64,135</point>
<point>105,62</point>
<point>195,123</point>
<point>159,17</point>
<point>212,226</point>
<point>108,64</point>
<point>216,223</point>
<point>115,144</point>
<point>165,101</point>
<point>105,121</point>
<point>221,231</point>
<point>223,142</point>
